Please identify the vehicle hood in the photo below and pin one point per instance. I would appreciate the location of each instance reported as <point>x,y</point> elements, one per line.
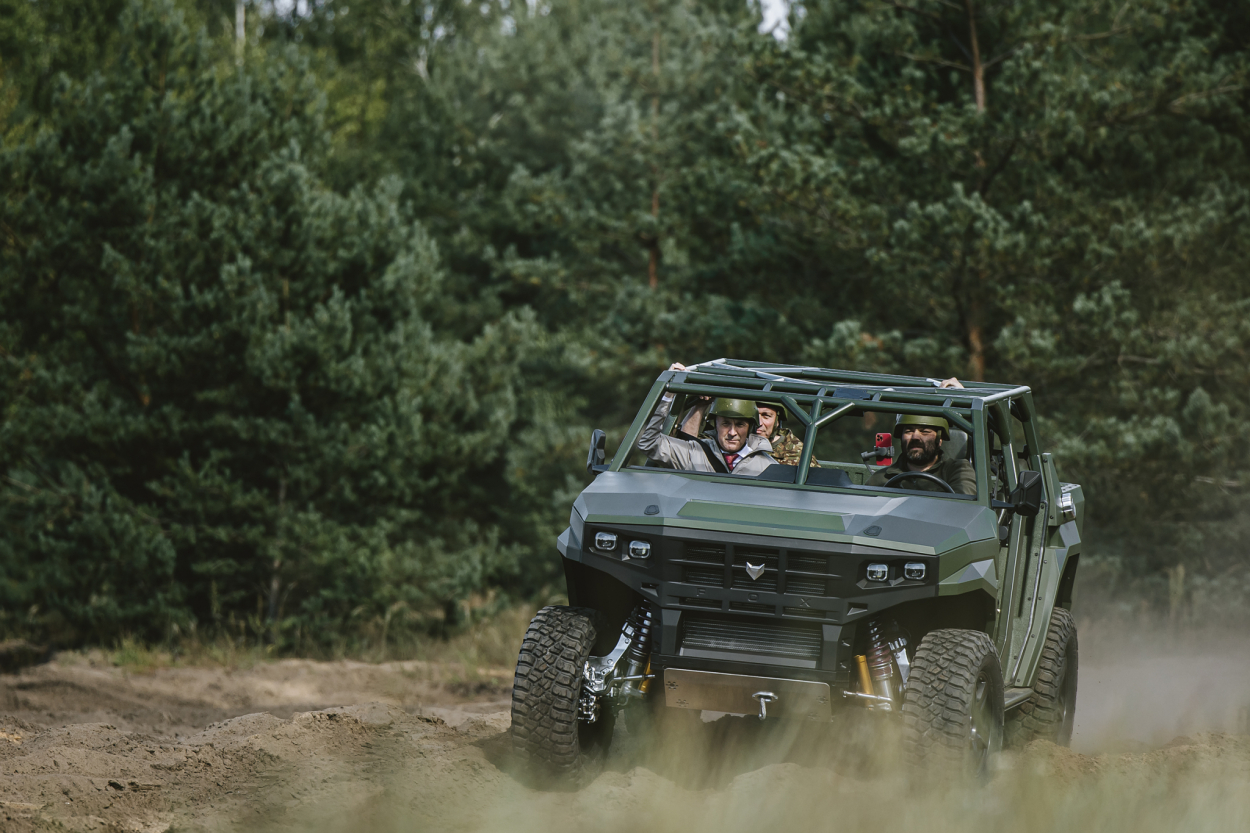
<point>923,524</point>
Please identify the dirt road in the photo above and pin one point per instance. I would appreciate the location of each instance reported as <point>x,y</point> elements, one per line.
<point>302,745</point>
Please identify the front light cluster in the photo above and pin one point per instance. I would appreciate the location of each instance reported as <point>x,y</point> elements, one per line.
<point>606,542</point>
<point>912,571</point>
<point>639,549</point>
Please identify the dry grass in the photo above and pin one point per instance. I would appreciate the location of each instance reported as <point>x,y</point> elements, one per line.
<point>488,642</point>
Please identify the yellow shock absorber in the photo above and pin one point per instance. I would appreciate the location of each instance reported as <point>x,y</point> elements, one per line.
<point>645,686</point>
<point>865,679</point>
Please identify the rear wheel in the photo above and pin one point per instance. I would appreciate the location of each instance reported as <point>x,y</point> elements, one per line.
<point>953,706</point>
<point>1049,713</point>
<point>545,728</point>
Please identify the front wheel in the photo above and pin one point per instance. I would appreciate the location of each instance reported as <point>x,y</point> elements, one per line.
<point>546,731</point>
<point>953,706</point>
<point>1049,713</point>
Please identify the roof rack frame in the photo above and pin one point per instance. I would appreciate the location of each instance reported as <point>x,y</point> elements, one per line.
<point>808,391</point>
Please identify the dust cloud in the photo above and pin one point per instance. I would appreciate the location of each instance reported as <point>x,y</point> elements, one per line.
<point>1161,744</point>
<point>1143,685</point>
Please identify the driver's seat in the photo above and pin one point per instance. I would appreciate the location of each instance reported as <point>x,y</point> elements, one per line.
<point>956,448</point>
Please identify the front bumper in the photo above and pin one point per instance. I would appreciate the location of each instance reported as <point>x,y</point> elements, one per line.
<point>741,694</point>
<point>791,615</point>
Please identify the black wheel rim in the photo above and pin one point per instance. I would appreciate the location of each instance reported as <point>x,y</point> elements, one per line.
<point>1064,705</point>
<point>982,727</point>
<point>1066,696</point>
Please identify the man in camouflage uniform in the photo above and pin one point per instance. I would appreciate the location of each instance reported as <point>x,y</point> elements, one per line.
<point>920,439</point>
<point>787,448</point>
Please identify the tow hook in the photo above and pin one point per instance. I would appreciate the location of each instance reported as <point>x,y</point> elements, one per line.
<point>764,698</point>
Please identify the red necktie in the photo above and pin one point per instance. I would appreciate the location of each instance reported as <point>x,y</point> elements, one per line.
<point>730,459</point>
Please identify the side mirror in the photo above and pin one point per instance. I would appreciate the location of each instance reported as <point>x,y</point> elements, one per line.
<point>598,451</point>
<point>1026,498</point>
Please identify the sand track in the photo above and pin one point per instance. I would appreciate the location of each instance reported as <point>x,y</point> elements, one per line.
<point>86,746</point>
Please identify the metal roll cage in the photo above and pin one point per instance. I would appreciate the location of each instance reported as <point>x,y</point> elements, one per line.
<point>816,396</point>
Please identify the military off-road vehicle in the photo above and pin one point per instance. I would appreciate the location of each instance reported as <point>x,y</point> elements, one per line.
<point>804,589</point>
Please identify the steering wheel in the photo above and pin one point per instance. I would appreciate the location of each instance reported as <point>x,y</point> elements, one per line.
<point>923,475</point>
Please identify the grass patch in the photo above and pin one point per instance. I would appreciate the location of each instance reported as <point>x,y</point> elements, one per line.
<point>489,642</point>
<point>138,657</point>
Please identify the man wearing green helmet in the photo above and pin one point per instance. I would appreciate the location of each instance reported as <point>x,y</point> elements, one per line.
<point>735,448</point>
<point>920,450</point>
<point>787,448</point>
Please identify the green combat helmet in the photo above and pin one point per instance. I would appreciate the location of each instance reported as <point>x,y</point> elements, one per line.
<point>735,409</point>
<point>937,423</point>
<point>782,414</point>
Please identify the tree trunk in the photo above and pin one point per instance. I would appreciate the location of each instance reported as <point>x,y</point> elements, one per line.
<point>275,576</point>
<point>976,357</point>
<point>976,336</point>
<point>653,265</point>
<point>240,30</point>
<point>978,72</point>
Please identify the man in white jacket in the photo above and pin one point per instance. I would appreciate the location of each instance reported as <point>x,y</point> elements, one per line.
<point>736,449</point>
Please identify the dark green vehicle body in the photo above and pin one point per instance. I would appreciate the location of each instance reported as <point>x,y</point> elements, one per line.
<point>816,531</point>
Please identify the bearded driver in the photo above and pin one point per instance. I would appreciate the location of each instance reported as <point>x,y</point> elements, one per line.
<point>920,438</point>
<point>787,448</point>
<point>735,448</point>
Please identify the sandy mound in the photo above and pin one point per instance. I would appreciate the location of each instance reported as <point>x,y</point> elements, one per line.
<point>278,748</point>
<point>377,767</point>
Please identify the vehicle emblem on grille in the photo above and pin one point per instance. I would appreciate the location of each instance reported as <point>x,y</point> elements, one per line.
<point>754,570</point>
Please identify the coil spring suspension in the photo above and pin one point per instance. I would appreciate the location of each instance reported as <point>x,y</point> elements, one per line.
<point>642,620</point>
<point>624,672</point>
<point>880,662</point>
<point>637,657</point>
<point>886,659</point>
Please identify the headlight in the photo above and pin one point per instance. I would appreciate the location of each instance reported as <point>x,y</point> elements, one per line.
<point>878,572</point>
<point>605,541</point>
<point>914,570</point>
<point>639,549</point>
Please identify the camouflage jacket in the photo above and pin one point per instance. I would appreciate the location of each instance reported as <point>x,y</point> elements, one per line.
<point>958,473</point>
<point>787,448</point>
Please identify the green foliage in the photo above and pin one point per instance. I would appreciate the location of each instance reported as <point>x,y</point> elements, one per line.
<point>229,396</point>
<point>306,334</point>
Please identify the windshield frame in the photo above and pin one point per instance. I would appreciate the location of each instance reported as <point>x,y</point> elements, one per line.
<point>815,404</point>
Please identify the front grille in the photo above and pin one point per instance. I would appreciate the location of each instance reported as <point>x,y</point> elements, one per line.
<point>705,553</point>
<point>805,612</point>
<point>803,586</point>
<point>703,576</point>
<point>797,643</point>
<point>766,583</point>
<point>806,574</point>
<point>809,563</point>
<point>692,601</point>
<point>756,556</point>
<point>750,607</point>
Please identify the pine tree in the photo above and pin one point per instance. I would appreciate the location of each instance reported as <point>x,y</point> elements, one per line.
<point>316,336</point>
<point>225,394</point>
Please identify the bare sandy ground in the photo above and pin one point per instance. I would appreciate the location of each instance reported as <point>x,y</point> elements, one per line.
<point>1161,744</point>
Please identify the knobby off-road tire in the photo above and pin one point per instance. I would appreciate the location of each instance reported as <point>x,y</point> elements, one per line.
<point>953,706</point>
<point>546,733</point>
<point>1049,713</point>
